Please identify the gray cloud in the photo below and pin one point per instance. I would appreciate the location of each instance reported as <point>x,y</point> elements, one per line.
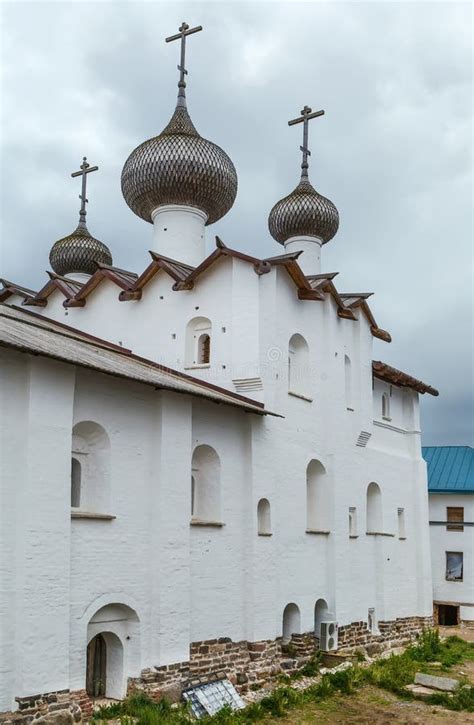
<point>393,150</point>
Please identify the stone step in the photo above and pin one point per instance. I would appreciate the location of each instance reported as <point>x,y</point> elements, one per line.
<point>445,684</point>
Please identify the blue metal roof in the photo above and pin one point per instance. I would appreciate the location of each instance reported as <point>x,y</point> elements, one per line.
<point>450,469</point>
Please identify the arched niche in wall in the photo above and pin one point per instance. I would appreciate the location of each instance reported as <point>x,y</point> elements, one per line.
<point>198,342</point>
<point>318,498</point>
<point>386,406</point>
<point>90,468</point>
<point>206,484</point>
<point>264,519</point>
<point>299,378</point>
<point>374,509</point>
<point>321,614</point>
<point>291,622</point>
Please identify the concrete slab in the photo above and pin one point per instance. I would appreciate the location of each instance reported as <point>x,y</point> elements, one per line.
<point>446,684</point>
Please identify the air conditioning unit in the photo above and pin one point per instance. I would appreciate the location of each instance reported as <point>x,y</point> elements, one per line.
<point>328,636</point>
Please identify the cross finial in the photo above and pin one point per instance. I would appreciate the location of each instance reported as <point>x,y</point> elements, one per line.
<point>306,115</point>
<point>184,31</point>
<point>85,169</point>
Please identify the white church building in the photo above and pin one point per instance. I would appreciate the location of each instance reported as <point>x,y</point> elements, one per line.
<point>203,468</point>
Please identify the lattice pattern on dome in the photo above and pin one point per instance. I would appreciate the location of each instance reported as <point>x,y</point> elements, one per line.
<point>179,167</point>
<point>78,252</point>
<point>304,212</point>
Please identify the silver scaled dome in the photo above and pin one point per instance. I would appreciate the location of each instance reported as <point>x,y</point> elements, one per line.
<point>303,213</point>
<point>179,167</point>
<point>78,252</point>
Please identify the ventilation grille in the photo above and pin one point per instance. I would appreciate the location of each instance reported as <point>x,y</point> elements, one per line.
<point>363,439</point>
<point>247,385</point>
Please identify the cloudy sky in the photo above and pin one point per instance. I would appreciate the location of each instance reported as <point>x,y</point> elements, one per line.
<point>393,150</point>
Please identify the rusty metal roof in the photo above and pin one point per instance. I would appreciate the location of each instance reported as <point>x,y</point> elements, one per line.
<point>396,377</point>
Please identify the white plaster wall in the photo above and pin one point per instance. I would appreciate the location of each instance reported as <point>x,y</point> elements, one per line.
<point>442,541</point>
<point>188,583</point>
<point>37,472</point>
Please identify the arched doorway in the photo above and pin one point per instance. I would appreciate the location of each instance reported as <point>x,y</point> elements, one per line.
<point>113,651</point>
<point>96,674</point>
<point>105,666</point>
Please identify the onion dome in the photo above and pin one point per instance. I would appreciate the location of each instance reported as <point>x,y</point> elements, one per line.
<point>304,212</point>
<point>179,166</point>
<point>79,252</point>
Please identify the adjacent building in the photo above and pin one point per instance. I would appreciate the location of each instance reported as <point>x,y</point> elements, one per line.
<point>451,505</point>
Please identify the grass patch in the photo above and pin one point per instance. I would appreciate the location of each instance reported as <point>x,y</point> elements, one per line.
<point>391,674</point>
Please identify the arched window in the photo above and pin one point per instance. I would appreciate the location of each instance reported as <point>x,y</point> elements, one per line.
<point>386,406</point>
<point>90,470</point>
<point>75,483</point>
<point>198,342</point>
<point>291,622</point>
<point>374,509</point>
<point>318,498</point>
<point>264,518</point>
<point>206,485</point>
<point>298,366</point>
<point>348,382</point>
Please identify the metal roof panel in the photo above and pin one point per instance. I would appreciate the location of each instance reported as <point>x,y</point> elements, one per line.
<point>450,468</point>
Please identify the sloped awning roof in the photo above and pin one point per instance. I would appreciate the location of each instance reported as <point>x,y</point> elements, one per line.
<point>385,372</point>
<point>450,469</point>
<point>32,333</point>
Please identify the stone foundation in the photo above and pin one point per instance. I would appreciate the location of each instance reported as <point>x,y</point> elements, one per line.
<point>252,664</point>
<point>390,634</point>
<point>62,707</point>
<point>245,664</point>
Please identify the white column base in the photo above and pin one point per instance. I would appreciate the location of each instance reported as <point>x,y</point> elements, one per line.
<point>179,233</point>
<point>310,260</point>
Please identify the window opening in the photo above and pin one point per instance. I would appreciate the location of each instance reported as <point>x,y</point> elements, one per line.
<point>454,566</point>
<point>455,518</point>
<point>352,521</point>
<point>401,524</point>
<point>75,483</point>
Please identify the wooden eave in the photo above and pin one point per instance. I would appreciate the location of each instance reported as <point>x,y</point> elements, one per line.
<point>391,375</point>
<point>67,287</point>
<point>10,288</point>
<point>220,251</point>
<point>122,278</point>
<point>176,270</point>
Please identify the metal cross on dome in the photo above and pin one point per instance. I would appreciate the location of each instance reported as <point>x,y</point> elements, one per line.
<point>306,115</point>
<point>184,31</point>
<point>85,169</point>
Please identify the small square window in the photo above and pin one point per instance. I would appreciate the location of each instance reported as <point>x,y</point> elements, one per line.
<point>455,518</point>
<point>454,566</point>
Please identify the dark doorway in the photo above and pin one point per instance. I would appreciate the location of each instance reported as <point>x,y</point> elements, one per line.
<point>448,615</point>
<point>96,667</point>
